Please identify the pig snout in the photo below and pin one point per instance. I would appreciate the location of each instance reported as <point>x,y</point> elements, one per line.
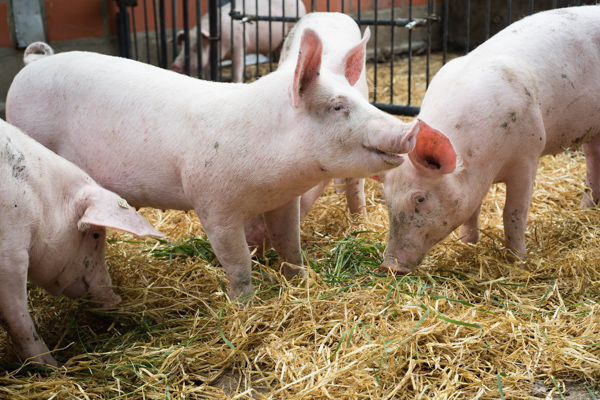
<point>395,267</point>
<point>177,68</point>
<point>391,144</point>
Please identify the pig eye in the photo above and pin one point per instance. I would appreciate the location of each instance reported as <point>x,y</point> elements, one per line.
<point>419,199</point>
<point>96,235</point>
<point>337,107</point>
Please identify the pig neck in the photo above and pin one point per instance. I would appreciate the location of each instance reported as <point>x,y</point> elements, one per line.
<point>285,148</point>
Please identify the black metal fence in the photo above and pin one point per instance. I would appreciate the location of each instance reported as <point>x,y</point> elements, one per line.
<point>398,31</point>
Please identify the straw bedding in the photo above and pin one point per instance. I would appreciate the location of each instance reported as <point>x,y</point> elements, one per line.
<point>466,324</point>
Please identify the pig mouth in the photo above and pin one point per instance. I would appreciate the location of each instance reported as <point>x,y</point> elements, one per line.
<point>388,158</point>
<point>395,268</point>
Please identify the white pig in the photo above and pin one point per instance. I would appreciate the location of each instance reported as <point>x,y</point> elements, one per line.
<point>533,89</point>
<point>340,33</point>
<point>266,41</point>
<point>53,233</point>
<point>230,151</point>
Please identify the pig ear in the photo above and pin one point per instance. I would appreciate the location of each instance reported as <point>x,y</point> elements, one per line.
<point>308,66</point>
<point>354,61</point>
<point>205,34</point>
<point>433,150</point>
<point>180,36</point>
<point>104,208</point>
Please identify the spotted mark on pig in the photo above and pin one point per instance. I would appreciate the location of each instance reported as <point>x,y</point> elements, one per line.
<point>397,222</point>
<point>470,153</point>
<point>15,159</point>
<point>216,146</point>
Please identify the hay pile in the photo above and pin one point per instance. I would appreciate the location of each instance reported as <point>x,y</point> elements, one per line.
<point>466,324</point>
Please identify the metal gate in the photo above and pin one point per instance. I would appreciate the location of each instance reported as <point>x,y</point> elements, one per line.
<point>148,31</point>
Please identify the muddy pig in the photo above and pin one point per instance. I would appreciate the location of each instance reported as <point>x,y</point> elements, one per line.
<point>53,233</point>
<point>230,151</point>
<point>270,35</point>
<point>532,89</point>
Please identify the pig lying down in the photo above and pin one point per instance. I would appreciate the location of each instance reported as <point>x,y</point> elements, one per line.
<point>340,33</point>
<point>52,232</point>
<point>230,151</point>
<point>533,89</point>
<point>270,35</point>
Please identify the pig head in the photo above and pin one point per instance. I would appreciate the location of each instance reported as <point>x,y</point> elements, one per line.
<point>53,233</point>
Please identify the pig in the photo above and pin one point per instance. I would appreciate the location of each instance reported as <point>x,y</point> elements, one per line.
<point>230,151</point>
<point>270,35</point>
<point>533,89</point>
<point>53,233</point>
<point>339,32</point>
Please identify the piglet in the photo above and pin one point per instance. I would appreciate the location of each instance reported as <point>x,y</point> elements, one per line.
<point>259,37</point>
<point>53,233</point>
<point>532,89</point>
<point>230,151</point>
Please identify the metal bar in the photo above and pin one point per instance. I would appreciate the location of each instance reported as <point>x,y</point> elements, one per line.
<point>156,33</point>
<point>445,31</point>
<point>174,28</point>
<point>135,43</point>
<point>409,52</point>
<point>163,34</point>
<point>418,23</point>
<point>407,110</point>
<point>375,54</point>
<point>271,36</point>
<point>467,23</point>
<point>146,29</point>
<point>256,39</point>
<point>213,51</point>
<point>487,19</point>
<point>186,37</point>
<point>507,12</point>
<point>243,60</point>
<point>392,57</point>
<point>429,11</point>
<point>530,7</point>
<point>199,36</point>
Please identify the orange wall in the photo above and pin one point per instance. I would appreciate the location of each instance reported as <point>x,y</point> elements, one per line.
<point>68,19</point>
<point>4,31</point>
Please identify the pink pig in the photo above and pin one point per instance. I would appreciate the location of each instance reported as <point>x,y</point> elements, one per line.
<point>533,89</point>
<point>340,33</point>
<point>270,36</point>
<point>52,232</point>
<point>230,151</point>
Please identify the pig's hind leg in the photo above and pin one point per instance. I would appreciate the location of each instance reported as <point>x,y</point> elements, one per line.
<point>283,225</point>
<point>591,150</point>
<point>14,315</point>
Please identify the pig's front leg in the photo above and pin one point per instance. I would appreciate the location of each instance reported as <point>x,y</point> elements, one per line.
<point>469,230</point>
<point>283,225</point>
<point>14,315</point>
<point>355,196</point>
<point>519,187</point>
<point>591,150</point>
<point>229,244</point>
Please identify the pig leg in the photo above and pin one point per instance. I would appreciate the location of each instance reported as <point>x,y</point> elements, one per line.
<point>309,198</point>
<point>519,188</point>
<point>237,55</point>
<point>469,231</point>
<point>283,225</point>
<point>591,150</point>
<point>355,196</point>
<point>229,244</point>
<point>14,315</point>
<point>257,235</point>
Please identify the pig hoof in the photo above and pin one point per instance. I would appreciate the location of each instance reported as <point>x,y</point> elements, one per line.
<point>290,271</point>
